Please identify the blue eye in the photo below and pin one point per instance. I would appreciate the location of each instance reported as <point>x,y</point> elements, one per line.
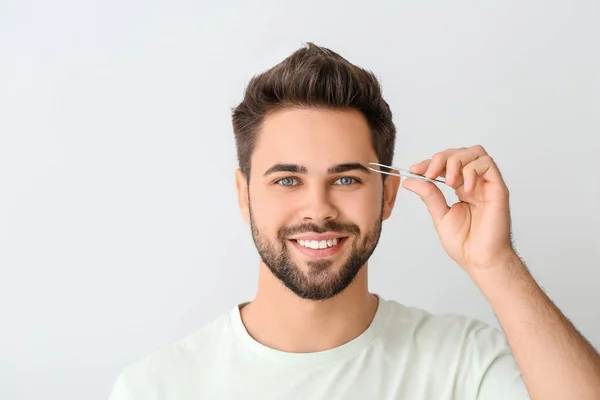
<point>346,180</point>
<point>286,182</point>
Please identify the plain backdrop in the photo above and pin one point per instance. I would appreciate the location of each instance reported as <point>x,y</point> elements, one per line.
<point>119,225</point>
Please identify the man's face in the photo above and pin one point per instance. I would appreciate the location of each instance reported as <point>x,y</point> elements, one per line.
<point>314,208</point>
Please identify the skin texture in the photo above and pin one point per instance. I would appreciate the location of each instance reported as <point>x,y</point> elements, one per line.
<point>308,304</point>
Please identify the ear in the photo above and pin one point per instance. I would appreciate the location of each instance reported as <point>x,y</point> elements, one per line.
<point>241,184</point>
<point>390,190</point>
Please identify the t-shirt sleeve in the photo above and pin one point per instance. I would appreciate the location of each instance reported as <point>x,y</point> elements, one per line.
<point>498,374</point>
<point>120,391</point>
<point>132,384</point>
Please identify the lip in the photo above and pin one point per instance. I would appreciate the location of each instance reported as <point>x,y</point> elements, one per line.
<point>319,236</point>
<point>319,253</point>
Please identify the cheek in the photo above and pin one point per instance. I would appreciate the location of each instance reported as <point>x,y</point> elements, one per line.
<point>270,212</point>
<point>361,207</point>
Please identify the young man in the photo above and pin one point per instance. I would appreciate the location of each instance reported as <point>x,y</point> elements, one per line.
<point>306,132</point>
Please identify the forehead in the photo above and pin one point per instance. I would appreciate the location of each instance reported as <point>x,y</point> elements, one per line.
<point>314,138</point>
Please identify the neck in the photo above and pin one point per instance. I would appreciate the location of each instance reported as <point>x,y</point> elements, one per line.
<point>281,320</point>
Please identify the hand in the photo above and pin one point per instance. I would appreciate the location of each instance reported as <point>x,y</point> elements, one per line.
<point>475,232</point>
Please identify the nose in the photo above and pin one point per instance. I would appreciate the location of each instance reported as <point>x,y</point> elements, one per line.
<point>318,205</point>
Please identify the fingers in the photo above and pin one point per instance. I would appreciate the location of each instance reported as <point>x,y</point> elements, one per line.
<point>420,167</point>
<point>483,167</point>
<point>455,166</point>
<point>445,163</point>
<point>432,197</point>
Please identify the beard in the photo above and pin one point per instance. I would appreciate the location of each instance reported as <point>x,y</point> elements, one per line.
<point>322,281</point>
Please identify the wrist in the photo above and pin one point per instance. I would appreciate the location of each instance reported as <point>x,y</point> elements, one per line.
<point>509,272</point>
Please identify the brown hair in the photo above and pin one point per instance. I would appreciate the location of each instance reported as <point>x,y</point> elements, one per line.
<point>313,77</point>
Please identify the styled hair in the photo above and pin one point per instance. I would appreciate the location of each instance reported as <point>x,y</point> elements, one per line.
<point>313,77</point>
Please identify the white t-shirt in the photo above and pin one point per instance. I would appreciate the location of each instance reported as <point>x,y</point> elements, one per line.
<point>406,353</point>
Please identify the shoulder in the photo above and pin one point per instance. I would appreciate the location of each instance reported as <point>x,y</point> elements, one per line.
<point>172,364</point>
<point>436,336</point>
<point>472,351</point>
<point>190,349</point>
<point>448,348</point>
<point>424,325</point>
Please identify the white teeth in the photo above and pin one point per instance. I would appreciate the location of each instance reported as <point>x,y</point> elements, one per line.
<point>315,244</point>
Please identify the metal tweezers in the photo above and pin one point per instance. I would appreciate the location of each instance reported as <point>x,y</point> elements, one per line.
<point>405,173</point>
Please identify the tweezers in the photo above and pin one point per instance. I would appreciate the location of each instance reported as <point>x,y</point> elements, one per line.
<point>405,173</point>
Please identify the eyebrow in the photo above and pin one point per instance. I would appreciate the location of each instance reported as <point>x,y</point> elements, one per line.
<point>301,169</point>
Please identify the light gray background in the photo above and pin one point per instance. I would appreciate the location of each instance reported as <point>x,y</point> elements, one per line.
<point>119,226</point>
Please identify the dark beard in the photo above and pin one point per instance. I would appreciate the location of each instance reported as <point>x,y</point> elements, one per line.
<point>321,283</point>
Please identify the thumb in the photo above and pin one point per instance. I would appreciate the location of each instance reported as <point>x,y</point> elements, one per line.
<point>431,195</point>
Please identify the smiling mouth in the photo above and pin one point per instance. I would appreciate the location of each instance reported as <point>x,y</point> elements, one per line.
<point>320,244</point>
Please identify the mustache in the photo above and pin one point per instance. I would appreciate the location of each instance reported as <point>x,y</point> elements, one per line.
<point>327,226</point>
